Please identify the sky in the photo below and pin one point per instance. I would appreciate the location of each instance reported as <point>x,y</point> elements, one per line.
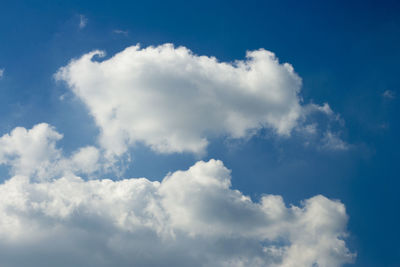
<point>211,133</point>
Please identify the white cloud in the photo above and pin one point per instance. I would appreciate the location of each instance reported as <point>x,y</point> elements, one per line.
<point>34,153</point>
<point>174,101</point>
<point>30,151</point>
<point>86,159</point>
<point>191,218</point>
<point>1,73</point>
<point>82,21</point>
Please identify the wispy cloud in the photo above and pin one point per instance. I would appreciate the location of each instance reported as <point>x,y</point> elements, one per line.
<point>389,94</point>
<point>82,21</point>
<point>1,73</point>
<point>332,141</point>
<point>121,32</point>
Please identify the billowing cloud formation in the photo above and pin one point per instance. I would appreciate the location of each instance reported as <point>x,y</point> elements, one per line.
<point>190,218</point>
<point>34,153</point>
<point>174,101</point>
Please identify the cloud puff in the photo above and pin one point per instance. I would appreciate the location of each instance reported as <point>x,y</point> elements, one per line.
<point>190,218</point>
<point>34,153</point>
<point>174,101</point>
<point>1,73</point>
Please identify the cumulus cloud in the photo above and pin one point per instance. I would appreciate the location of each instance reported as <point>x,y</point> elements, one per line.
<point>190,218</point>
<point>174,101</point>
<point>34,153</point>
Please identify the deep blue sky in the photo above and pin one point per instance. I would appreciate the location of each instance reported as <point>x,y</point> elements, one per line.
<point>346,53</point>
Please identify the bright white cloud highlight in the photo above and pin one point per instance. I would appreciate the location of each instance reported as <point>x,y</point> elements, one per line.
<point>174,101</point>
<point>191,218</point>
<point>34,153</point>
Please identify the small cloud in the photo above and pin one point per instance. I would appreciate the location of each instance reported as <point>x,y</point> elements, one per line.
<point>332,141</point>
<point>82,21</point>
<point>389,94</point>
<point>325,109</point>
<point>310,128</point>
<point>311,108</point>
<point>62,97</point>
<point>1,73</point>
<point>121,32</point>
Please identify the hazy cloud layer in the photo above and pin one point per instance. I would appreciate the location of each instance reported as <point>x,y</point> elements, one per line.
<point>191,218</point>
<point>173,100</point>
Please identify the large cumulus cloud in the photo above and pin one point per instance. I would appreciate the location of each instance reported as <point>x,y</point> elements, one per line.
<point>190,218</point>
<point>173,100</point>
<point>51,217</point>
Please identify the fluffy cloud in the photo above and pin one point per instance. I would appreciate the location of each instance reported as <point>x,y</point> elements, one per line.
<point>34,153</point>
<point>174,101</point>
<point>190,218</point>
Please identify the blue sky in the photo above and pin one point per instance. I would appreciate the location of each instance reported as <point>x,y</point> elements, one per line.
<point>346,54</point>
